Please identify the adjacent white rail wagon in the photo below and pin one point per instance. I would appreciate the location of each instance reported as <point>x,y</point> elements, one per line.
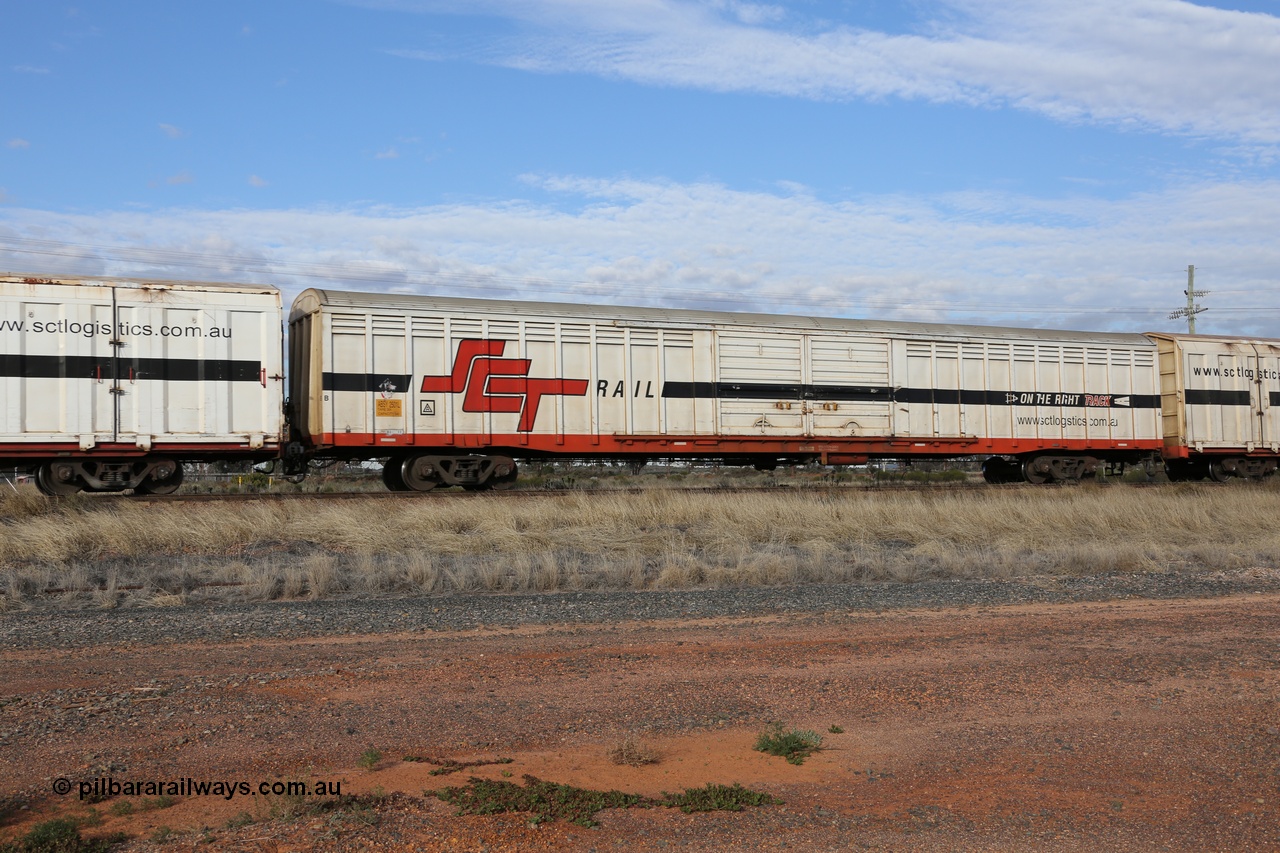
<point>1221,406</point>
<point>109,384</point>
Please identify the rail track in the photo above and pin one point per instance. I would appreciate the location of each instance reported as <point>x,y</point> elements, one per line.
<point>525,494</point>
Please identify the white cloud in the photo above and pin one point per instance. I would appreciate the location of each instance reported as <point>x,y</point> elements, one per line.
<point>1166,65</point>
<point>19,143</point>
<point>171,131</point>
<point>389,154</point>
<point>255,181</point>
<point>30,69</point>
<point>180,178</point>
<point>974,258</point>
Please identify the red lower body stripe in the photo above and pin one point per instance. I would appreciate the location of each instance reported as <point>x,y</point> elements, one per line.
<point>837,450</point>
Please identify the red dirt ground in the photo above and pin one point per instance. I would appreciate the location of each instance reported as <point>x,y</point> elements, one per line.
<point>1135,725</point>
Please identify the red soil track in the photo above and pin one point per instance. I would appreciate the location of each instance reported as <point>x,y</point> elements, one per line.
<point>1136,725</point>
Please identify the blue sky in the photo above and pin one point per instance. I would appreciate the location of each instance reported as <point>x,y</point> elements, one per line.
<point>1023,162</point>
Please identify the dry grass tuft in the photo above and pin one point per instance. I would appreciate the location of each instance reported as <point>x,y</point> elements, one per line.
<point>633,752</point>
<point>98,552</point>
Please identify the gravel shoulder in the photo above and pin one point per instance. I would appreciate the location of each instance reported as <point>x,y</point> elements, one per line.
<point>50,627</point>
<point>1121,712</point>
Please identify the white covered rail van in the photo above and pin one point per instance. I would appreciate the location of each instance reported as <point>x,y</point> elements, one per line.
<point>453,391</point>
<point>109,384</point>
<point>1221,406</point>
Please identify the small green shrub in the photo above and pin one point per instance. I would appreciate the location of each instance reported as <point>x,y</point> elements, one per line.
<point>717,798</point>
<point>546,800</point>
<point>795,745</point>
<point>59,836</point>
<point>549,801</point>
<point>152,804</point>
<point>448,765</point>
<point>369,759</point>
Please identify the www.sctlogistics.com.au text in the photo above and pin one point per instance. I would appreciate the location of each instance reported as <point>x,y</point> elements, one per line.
<point>102,788</point>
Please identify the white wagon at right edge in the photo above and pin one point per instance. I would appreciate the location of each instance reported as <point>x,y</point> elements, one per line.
<point>1220,406</point>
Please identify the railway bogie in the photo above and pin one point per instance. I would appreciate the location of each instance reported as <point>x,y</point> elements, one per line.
<point>147,475</point>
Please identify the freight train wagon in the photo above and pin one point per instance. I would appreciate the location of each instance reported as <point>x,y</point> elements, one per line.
<point>453,391</point>
<point>1220,406</point>
<point>110,385</point>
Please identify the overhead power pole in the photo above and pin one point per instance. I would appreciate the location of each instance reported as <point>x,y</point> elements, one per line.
<point>1193,308</point>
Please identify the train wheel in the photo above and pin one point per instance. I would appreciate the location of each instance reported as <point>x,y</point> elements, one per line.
<point>1218,471</point>
<point>58,479</point>
<point>993,470</point>
<point>40,487</point>
<point>391,475</point>
<point>1032,473</point>
<point>418,474</point>
<point>164,479</point>
<point>504,476</point>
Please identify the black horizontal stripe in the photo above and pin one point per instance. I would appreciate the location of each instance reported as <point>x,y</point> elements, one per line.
<point>938,396</point>
<point>1204,397</point>
<point>131,369</point>
<point>772,391</point>
<point>853,393</point>
<point>395,382</point>
<point>191,369</point>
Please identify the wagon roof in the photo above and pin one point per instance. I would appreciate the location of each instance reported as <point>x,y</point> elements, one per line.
<point>139,283</point>
<point>1218,339</point>
<point>312,300</point>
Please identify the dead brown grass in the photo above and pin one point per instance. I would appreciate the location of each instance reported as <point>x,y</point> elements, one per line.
<point>633,752</point>
<point>107,552</point>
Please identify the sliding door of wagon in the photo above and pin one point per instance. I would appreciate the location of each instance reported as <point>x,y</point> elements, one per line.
<point>849,386</point>
<point>56,363</point>
<point>197,366</point>
<point>1221,393</point>
<point>760,383</point>
<point>927,392</point>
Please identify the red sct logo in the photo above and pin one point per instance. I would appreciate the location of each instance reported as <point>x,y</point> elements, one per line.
<point>492,384</point>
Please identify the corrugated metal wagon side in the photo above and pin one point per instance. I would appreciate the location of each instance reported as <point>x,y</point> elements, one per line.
<point>453,391</point>
<point>1220,406</point>
<point>111,384</point>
